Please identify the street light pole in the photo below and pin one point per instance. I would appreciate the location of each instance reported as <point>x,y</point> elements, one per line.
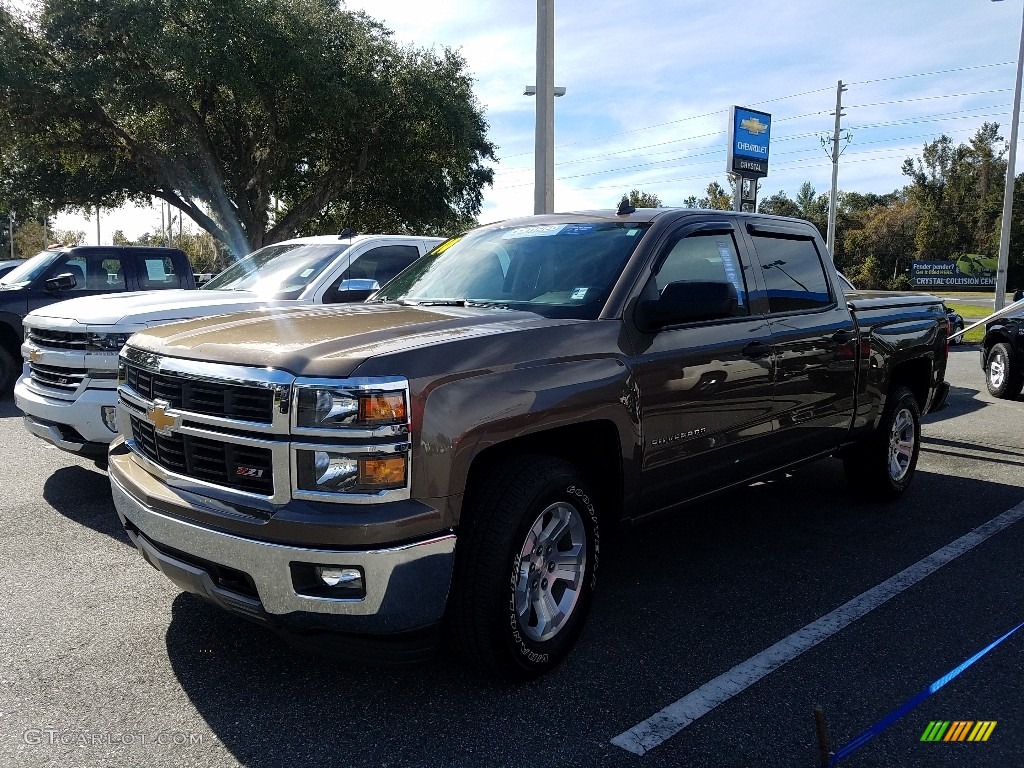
<point>544,141</point>
<point>1004,233</point>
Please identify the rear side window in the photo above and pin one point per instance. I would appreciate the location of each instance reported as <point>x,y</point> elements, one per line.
<point>793,274</point>
<point>157,273</point>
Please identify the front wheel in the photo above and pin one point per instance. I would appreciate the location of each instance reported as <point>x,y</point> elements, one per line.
<point>9,369</point>
<point>882,466</point>
<point>525,564</point>
<point>1003,378</point>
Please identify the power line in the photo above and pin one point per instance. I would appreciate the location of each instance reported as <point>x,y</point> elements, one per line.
<point>937,72</point>
<point>783,98</point>
<point>929,98</point>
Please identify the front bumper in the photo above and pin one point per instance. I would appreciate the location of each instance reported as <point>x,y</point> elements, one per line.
<point>72,425</point>
<point>406,586</point>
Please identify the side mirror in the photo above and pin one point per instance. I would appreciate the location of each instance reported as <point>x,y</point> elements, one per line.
<point>688,301</point>
<point>63,282</point>
<point>355,289</point>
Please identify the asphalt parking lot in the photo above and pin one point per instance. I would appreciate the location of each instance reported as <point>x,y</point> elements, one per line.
<point>104,663</point>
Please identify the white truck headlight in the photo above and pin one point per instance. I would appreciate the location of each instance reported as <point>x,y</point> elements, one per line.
<point>106,342</point>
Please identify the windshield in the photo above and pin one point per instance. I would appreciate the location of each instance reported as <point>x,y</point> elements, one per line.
<point>281,271</point>
<point>31,269</point>
<point>555,270</point>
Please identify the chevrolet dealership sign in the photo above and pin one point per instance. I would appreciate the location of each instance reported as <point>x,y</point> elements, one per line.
<point>749,135</point>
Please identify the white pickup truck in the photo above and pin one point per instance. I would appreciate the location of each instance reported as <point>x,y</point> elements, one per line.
<point>68,387</point>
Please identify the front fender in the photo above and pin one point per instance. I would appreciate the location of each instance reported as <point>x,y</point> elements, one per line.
<point>465,416</point>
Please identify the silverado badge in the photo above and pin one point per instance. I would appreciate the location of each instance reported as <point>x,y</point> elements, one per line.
<point>159,418</point>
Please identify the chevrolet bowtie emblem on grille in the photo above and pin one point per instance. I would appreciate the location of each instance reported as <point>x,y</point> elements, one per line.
<point>753,125</point>
<point>33,356</point>
<point>159,418</point>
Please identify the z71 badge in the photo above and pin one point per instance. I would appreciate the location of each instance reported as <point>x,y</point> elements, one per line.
<point>249,472</point>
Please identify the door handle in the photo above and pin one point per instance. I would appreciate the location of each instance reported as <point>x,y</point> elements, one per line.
<point>755,350</point>
<point>842,337</point>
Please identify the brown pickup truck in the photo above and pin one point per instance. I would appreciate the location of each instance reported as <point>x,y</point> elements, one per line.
<point>444,461</point>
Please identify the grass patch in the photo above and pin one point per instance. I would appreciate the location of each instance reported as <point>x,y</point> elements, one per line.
<point>971,313</point>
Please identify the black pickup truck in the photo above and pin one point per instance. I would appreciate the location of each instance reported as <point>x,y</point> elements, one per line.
<point>63,273</point>
<point>1002,352</point>
<point>449,458</point>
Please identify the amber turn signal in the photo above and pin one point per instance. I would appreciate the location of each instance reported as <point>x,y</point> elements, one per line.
<point>382,473</point>
<point>382,407</point>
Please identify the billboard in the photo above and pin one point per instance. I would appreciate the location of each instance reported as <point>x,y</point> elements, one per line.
<point>749,136</point>
<point>970,271</point>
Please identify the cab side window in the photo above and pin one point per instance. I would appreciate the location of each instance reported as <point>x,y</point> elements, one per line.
<point>380,264</point>
<point>705,258</point>
<point>793,273</point>
<point>92,272</point>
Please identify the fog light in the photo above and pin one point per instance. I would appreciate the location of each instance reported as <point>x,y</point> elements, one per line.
<point>336,576</point>
<point>109,414</point>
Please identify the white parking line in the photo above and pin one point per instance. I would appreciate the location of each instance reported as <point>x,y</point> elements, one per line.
<point>668,722</point>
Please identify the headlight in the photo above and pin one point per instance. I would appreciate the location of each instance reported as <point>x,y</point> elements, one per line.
<point>331,408</point>
<point>325,471</point>
<point>106,342</point>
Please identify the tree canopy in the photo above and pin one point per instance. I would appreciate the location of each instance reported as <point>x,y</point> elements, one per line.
<point>260,119</point>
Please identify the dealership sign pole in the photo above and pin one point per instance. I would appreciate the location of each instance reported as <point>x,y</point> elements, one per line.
<point>749,138</point>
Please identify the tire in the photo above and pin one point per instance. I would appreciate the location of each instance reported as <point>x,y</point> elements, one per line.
<point>956,329</point>
<point>1003,377</point>
<point>10,369</point>
<point>882,466</point>
<point>514,612</point>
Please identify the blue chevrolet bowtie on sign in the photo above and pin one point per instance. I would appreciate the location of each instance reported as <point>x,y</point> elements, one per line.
<point>749,135</point>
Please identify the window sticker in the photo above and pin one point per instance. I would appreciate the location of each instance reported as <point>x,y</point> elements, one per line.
<point>732,272</point>
<point>578,294</point>
<point>631,232</point>
<point>307,272</point>
<point>155,269</point>
<point>577,229</point>
<point>546,230</point>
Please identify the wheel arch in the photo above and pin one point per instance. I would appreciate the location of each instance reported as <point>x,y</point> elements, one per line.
<point>915,375</point>
<point>593,447</point>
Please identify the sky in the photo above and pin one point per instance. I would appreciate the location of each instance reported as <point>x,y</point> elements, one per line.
<point>649,86</point>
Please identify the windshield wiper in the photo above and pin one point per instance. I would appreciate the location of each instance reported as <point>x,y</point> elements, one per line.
<point>428,302</point>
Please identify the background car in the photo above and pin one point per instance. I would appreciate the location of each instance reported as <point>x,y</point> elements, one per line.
<point>9,264</point>
<point>956,324</point>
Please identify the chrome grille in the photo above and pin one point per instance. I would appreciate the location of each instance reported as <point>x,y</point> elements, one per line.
<point>230,401</point>
<point>57,377</point>
<point>242,467</point>
<point>50,339</point>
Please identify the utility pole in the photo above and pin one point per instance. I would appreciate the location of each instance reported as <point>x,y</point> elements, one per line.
<point>831,240</point>
<point>1011,160</point>
<point>98,225</point>
<point>10,224</point>
<point>544,141</point>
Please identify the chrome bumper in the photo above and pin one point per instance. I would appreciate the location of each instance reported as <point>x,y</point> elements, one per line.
<point>406,587</point>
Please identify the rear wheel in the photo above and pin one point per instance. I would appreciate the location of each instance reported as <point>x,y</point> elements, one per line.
<point>957,327</point>
<point>1003,378</point>
<point>525,565</point>
<point>882,466</point>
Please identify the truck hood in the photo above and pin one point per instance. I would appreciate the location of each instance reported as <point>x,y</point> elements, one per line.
<point>327,341</point>
<point>143,308</point>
